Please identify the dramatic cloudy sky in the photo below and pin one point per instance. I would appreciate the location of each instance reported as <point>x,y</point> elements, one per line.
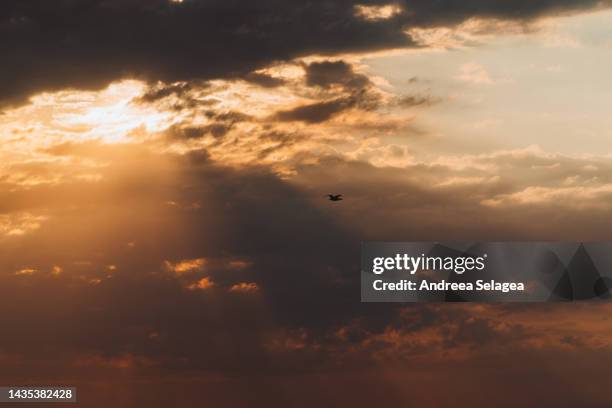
<point>164,235</point>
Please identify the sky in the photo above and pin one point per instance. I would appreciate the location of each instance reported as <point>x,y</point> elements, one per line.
<point>165,237</point>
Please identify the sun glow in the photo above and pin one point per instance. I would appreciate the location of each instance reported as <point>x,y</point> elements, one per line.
<point>108,115</point>
<point>112,115</point>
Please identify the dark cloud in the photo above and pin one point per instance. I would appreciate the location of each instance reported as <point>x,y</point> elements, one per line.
<point>447,12</point>
<point>415,100</point>
<point>327,73</point>
<point>315,112</point>
<point>227,116</point>
<point>322,111</point>
<point>217,130</point>
<point>59,44</point>
<point>263,80</point>
<point>160,91</point>
<point>220,124</point>
<point>51,45</point>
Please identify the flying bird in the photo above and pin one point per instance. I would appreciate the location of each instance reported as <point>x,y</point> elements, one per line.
<point>337,197</point>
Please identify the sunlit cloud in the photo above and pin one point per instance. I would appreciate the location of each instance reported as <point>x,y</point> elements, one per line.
<point>472,32</point>
<point>579,197</point>
<point>375,13</point>
<point>18,224</point>
<point>202,284</point>
<point>244,287</point>
<point>185,266</point>
<point>26,272</point>
<point>51,118</point>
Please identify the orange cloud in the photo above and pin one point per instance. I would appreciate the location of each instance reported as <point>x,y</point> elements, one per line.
<point>202,284</point>
<point>185,266</point>
<point>245,287</point>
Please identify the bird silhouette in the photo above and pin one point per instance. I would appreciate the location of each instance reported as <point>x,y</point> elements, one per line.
<point>337,197</point>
